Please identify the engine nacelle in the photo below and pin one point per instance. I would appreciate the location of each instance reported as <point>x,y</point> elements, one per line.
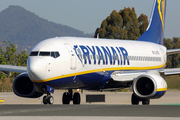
<point>149,86</point>
<point>24,87</point>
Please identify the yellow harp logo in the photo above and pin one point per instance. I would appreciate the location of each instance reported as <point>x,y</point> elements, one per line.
<point>161,8</point>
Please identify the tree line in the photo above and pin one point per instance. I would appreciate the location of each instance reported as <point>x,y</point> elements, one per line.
<point>122,25</point>
<point>173,61</point>
<point>126,25</point>
<point>10,56</point>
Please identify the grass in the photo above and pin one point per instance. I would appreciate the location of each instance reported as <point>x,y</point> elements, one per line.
<point>173,82</point>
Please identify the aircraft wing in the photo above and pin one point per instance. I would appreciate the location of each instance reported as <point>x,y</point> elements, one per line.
<point>172,71</point>
<point>125,76</point>
<point>172,51</point>
<point>6,68</point>
<point>130,76</point>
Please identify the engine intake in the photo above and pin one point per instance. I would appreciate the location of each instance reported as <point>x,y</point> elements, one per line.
<point>149,86</point>
<point>24,87</point>
<point>145,86</point>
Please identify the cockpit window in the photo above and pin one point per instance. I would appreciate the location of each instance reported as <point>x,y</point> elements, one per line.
<point>52,54</point>
<point>34,53</point>
<point>44,54</point>
<point>55,54</point>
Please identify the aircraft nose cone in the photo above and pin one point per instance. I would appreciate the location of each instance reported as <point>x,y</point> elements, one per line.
<point>36,68</point>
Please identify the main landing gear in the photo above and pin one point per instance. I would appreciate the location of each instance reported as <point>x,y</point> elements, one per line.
<point>68,96</point>
<point>48,99</point>
<point>135,100</point>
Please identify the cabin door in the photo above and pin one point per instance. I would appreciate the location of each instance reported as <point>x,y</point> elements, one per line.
<point>72,56</point>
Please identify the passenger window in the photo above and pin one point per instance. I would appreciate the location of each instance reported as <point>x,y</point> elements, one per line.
<point>34,53</point>
<point>44,54</point>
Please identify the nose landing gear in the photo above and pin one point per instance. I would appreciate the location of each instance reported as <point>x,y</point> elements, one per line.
<point>48,99</point>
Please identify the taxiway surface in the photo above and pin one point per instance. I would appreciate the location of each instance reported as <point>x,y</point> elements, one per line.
<point>119,98</point>
<point>91,110</point>
<point>116,106</point>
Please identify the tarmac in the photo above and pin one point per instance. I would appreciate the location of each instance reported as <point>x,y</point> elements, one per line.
<point>119,98</point>
<point>117,105</point>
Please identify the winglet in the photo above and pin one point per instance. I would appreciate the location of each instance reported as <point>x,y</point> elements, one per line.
<point>155,30</point>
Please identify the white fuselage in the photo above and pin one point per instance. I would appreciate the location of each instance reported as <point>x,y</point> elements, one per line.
<point>82,56</point>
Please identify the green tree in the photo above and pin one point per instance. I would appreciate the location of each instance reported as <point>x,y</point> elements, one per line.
<point>21,58</point>
<point>173,61</point>
<point>175,57</point>
<point>168,45</point>
<point>122,25</point>
<point>143,23</point>
<point>2,59</point>
<point>9,55</point>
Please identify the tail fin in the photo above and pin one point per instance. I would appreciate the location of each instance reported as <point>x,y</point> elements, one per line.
<point>155,30</point>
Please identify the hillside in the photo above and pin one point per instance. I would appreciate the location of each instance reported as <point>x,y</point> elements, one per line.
<point>25,29</point>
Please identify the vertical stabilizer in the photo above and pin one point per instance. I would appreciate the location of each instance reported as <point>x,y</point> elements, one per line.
<point>155,30</point>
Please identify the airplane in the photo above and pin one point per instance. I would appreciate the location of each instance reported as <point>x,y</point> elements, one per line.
<point>98,64</point>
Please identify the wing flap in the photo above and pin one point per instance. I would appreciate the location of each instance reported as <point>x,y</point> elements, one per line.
<point>125,76</point>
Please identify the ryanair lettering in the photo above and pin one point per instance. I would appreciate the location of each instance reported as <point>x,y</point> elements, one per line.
<point>102,55</point>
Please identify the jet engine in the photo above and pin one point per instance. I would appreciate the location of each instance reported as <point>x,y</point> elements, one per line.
<point>149,86</point>
<point>24,87</point>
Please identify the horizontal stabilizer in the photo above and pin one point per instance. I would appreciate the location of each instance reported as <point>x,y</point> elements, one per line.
<point>173,51</point>
<point>172,71</point>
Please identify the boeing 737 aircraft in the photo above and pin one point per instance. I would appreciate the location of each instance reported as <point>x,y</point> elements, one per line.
<point>98,64</point>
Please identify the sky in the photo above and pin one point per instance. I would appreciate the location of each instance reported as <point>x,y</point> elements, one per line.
<point>87,15</point>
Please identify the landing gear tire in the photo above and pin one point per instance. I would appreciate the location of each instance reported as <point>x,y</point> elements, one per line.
<point>50,100</point>
<point>145,101</point>
<point>134,100</point>
<point>69,96</point>
<point>76,98</point>
<point>45,100</point>
<point>66,98</point>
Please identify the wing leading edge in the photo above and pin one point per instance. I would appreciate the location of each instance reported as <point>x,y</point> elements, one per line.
<point>130,76</point>
<point>172,71</point>
<point>172,51</point>
<point>12,68</point>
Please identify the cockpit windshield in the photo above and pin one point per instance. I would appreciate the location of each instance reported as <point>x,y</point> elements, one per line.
<point>53,54</point>
<point>44,54</point>
<point>34,53</point>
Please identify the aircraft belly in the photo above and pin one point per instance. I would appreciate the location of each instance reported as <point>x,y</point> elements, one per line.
<point>84,81</point>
